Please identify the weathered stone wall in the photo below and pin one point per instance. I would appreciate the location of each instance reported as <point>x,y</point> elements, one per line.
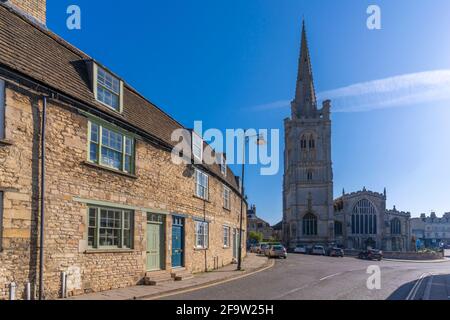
<point>158,184</point>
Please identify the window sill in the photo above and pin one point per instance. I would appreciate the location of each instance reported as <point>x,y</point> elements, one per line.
<point>97,166</point>
<point>197,197</point>
<point>226,247</point>
<point>200,249</point>
<point>4,142</point>
<point>226,209</point>
<point>101,251</point>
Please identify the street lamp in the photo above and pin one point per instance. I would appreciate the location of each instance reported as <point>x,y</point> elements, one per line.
<point>259,141</point>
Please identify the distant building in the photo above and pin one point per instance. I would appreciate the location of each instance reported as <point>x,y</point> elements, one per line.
<point>256,224</point>
<point>278,231</point>
<point>431,231</point>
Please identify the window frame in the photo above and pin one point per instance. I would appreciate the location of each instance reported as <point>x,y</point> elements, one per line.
<point>97,84</point>
<point>99,145</point>
<point>205,189</point>
<point>226,202</point>
<point>197,138</point>
<point>309,225</point>
<point>96,241</point>
<point>204,235</point>
<point>223,165</point>
<point>2,109</point>
<point>226,236</point>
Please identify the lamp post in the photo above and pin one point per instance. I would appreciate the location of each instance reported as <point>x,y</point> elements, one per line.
<point>260,141</point>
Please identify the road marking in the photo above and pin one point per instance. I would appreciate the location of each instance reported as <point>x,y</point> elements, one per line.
<point>164,295</point>
<point>330,276</point>
<point>426,295</point>
<point>412,294</point>
<point>290,292</point>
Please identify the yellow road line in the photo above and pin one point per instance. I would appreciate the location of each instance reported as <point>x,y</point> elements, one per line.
<point>272,263</point>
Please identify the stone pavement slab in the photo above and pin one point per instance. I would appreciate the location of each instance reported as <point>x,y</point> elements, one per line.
<point>252,263</point>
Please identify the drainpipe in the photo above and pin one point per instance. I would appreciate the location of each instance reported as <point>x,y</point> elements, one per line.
<point>42,204</point>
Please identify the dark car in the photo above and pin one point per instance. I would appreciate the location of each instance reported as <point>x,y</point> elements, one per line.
<point>335,252</point>
<point>371,254</point>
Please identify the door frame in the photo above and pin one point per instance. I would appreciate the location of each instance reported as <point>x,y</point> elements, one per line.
<point>182,226</point>
<point>162,241</point>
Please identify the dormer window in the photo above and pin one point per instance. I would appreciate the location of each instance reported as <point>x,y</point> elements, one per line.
<point>197,147</point>
<point>108,88</point>
<point>223,164</point>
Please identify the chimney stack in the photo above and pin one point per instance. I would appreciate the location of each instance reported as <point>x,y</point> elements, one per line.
<point>33,9</point>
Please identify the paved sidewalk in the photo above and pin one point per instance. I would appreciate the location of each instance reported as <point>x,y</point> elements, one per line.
<point>251,264</point>
<point>419,261</point>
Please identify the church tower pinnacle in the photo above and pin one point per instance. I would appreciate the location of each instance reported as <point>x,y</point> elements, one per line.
<point>305,103</point>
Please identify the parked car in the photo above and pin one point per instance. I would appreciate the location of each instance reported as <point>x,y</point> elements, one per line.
<point>301,249</point>
<point>276,251</point>
<point>262,248</point>
<point>335,252</point>
<point>318,250</point>
<point>254,248</point>
<point>371,254</point>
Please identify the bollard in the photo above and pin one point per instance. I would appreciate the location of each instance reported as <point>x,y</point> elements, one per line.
<point>12,291</point>
<point>28,291</point>
<point>63,285</point>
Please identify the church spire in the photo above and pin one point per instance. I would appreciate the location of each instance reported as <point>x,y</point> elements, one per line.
<point>304,104</point>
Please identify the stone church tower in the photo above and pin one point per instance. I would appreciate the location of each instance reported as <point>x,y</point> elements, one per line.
<point>308,176</point>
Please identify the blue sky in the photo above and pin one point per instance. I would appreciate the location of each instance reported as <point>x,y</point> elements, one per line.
<point>218,61</point>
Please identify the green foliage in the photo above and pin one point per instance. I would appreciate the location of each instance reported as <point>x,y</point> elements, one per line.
<point>255,236</point>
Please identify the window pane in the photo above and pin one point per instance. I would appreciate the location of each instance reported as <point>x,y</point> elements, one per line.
<point>92,217</point>
<point>93,152</point>
<point>197,146</point>
<point>128,146</point>
<point>112,158</point>
<point>94,132</point>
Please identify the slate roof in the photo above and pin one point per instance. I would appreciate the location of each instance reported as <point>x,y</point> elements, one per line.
<point>40,54</point>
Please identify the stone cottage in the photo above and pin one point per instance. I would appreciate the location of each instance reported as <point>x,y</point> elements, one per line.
<point>86,152</point>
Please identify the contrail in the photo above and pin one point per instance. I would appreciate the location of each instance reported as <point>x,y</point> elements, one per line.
<point>402,90</point>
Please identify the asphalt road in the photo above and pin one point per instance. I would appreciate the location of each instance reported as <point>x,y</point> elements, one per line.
<point>304,277</point>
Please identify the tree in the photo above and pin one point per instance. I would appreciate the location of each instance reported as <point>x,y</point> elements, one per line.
<point>255,236</point>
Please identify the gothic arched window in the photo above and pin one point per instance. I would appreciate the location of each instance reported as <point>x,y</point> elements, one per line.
<point>312,142</point>
<point>309,175</point>
<point>396,226</point>
<point>338,228</point>
<point>364,218</point>
<point>303,143</point>
<point>310,225</point>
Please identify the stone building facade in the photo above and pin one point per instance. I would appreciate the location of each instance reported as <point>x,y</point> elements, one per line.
<point>362,220</point>
<point>310,213</point>
<point>256,224</point>
<point>118,210</point>
<point>431,231</point>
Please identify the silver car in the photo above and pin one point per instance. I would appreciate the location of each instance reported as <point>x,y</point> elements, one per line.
<point>318,250</point>
<point>277,251</point>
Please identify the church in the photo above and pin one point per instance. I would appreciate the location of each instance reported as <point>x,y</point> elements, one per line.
<point>311,215</point>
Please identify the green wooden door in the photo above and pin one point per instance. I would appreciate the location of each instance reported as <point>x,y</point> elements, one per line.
<point>154,250</point>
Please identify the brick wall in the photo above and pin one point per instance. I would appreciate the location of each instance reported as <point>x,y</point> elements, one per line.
<point>35,8</point>
<point>159,185</point>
